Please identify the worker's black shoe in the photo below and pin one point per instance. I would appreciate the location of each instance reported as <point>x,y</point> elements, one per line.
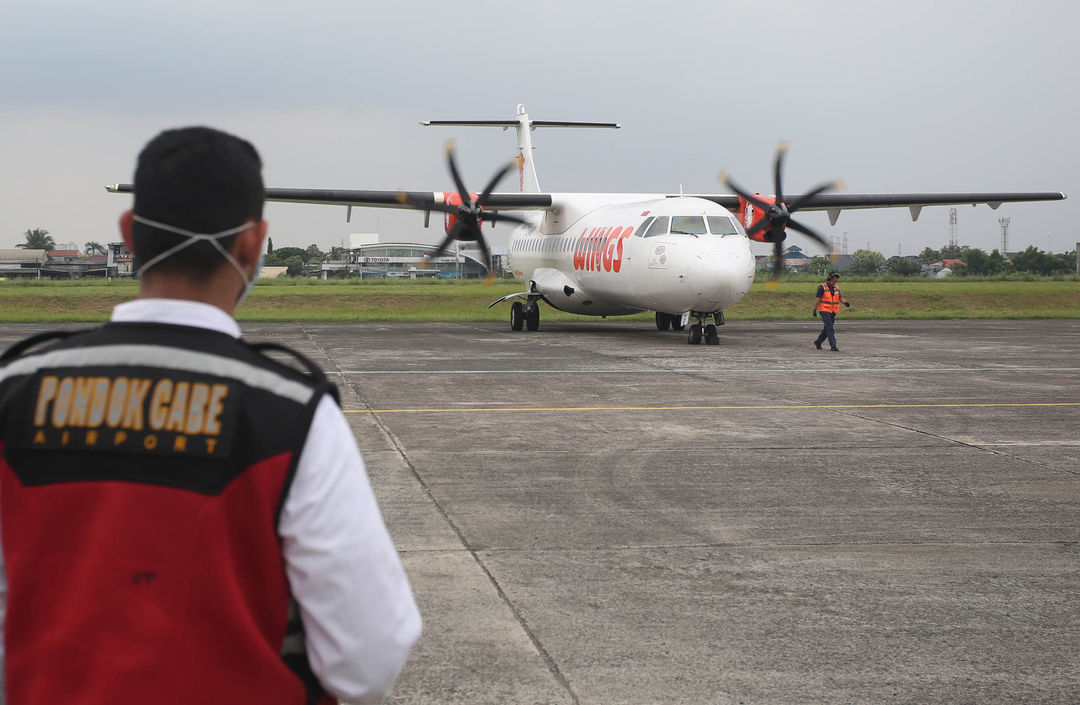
<point>835,349</point>
<point>817,344</point>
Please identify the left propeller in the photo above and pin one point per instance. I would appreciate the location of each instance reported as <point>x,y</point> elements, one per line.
<point>467,217</point>
<point>776,217</point>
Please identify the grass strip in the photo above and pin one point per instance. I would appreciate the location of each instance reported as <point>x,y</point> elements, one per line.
<point>429,300</point>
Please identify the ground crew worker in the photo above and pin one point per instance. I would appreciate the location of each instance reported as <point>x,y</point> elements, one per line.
<point>828,304</point>
<point>185,519</point>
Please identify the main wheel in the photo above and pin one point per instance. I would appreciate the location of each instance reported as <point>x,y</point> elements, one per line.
<point>711,335</point>
<point>694,337</point>
<point>663,321</point>
<point>517,316</point>
<point>676,322</point>
<point>532,318</point>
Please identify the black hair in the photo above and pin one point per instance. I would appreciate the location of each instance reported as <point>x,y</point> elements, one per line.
<point>199,179</point>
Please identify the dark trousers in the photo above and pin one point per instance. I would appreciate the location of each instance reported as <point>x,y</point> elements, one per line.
<point>827,320</point>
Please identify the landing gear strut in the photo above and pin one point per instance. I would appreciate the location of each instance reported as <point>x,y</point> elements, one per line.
<point>668,320</point>
<point>701,329</point>
<point>525,314</point>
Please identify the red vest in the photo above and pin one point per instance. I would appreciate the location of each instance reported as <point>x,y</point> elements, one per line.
<point>830,299</point>
<point>142,472</point>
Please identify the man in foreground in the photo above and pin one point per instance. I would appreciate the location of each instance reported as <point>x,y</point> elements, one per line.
<point>184,519</point>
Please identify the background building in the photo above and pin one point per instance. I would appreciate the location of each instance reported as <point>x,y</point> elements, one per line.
<point>367,257</point>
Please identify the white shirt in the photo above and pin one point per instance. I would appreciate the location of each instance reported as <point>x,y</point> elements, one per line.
<point>360,618</point>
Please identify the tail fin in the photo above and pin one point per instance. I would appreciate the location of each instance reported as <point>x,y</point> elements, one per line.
<point>527,180</point>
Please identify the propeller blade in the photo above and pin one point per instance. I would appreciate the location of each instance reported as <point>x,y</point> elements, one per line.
<point>494,180</point>
<point>778,259</point>
<point>726,180</point>
<point>496,217</point>
<point>807,231</point>
<point>821,188</point>
<point>759,226</point>
<point>462,191</point>
<point>778,169</point>
<point>442,246</point>
<point>487,258</point>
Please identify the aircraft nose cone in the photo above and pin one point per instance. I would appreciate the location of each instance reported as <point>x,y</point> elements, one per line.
<point>720,278</point>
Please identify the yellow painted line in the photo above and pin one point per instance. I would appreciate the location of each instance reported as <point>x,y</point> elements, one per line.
<point>961,405</point>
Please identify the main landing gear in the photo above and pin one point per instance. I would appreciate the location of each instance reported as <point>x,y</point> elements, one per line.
<point>701,329</point>
<point>665,321</point>
<point>525,314</point>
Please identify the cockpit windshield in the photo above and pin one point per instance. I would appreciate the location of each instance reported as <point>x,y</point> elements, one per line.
<point>722,225</point>
<point>687,225</point>
<point>658,227</point>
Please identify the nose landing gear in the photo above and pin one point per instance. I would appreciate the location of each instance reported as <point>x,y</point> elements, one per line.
<point>525,315</point>
<point>701,329</point>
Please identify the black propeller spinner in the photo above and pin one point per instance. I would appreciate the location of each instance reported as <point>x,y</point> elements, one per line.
<point>470,214</point>
<point>776,217</point>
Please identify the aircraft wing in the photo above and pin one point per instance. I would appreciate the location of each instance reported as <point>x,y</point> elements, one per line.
<point>833,203</point>
<point>415,200</point>
<point>914,202</point>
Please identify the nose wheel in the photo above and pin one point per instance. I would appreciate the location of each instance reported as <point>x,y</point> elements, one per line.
<point>525,315</point>
<point>707,331</point>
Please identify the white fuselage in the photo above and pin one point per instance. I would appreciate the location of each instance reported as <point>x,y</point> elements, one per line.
<point>593,255</point>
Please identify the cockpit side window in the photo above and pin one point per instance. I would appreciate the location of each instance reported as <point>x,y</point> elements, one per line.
<point>687,225</point>
<point>722,225</point>
<point>658,227</point>
<point>640,232</point>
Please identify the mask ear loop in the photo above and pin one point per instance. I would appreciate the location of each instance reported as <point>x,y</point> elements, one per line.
<point>212,238</point>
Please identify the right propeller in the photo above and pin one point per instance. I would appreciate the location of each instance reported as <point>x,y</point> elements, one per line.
<point>775,216</point>
<point>467,218</point>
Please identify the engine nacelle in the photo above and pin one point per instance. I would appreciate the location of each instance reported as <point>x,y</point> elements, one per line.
<point>450,219</point>
<point>750,215</point>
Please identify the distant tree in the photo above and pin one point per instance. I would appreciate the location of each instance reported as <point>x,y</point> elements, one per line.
<point>904,266</point>
<point>38,239</point>
<point>314,254</point>
<point>285,253</point>
<point>867,261</point>
<point>952,252</point>
<point>339,253</point>
<point>94,248</point>
<point>1069,260</point>
<point>294,266</point>
<point>820,265</point>
<point>978,262</point>
<point>1036,261</point>
<point>929,256</point>
<point>269,245</point>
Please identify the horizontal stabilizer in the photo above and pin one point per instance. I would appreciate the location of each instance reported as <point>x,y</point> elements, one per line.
<point>514,123</point>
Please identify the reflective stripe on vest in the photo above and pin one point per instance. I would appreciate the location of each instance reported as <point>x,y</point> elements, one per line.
<point>830,299</point>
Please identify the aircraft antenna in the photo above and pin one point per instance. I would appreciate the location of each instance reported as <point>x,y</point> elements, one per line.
<point>1004,221</point>
<point>954,227</point>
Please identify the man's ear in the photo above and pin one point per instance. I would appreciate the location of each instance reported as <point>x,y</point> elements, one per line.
<point>249,243</point>
<point>127,218</point>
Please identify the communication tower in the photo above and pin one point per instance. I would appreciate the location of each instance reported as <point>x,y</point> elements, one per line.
<point>1004,221</point>
<point>954,227</point>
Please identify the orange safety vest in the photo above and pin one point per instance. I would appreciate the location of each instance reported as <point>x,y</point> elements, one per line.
<point>830,299</point>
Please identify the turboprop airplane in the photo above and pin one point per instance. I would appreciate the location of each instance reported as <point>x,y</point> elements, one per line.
<point>685,257</point>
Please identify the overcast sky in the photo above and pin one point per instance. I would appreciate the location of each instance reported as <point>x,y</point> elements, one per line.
<point>890,96</point>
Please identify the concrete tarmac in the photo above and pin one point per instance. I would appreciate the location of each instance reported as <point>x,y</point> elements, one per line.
<point>601,513</point>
